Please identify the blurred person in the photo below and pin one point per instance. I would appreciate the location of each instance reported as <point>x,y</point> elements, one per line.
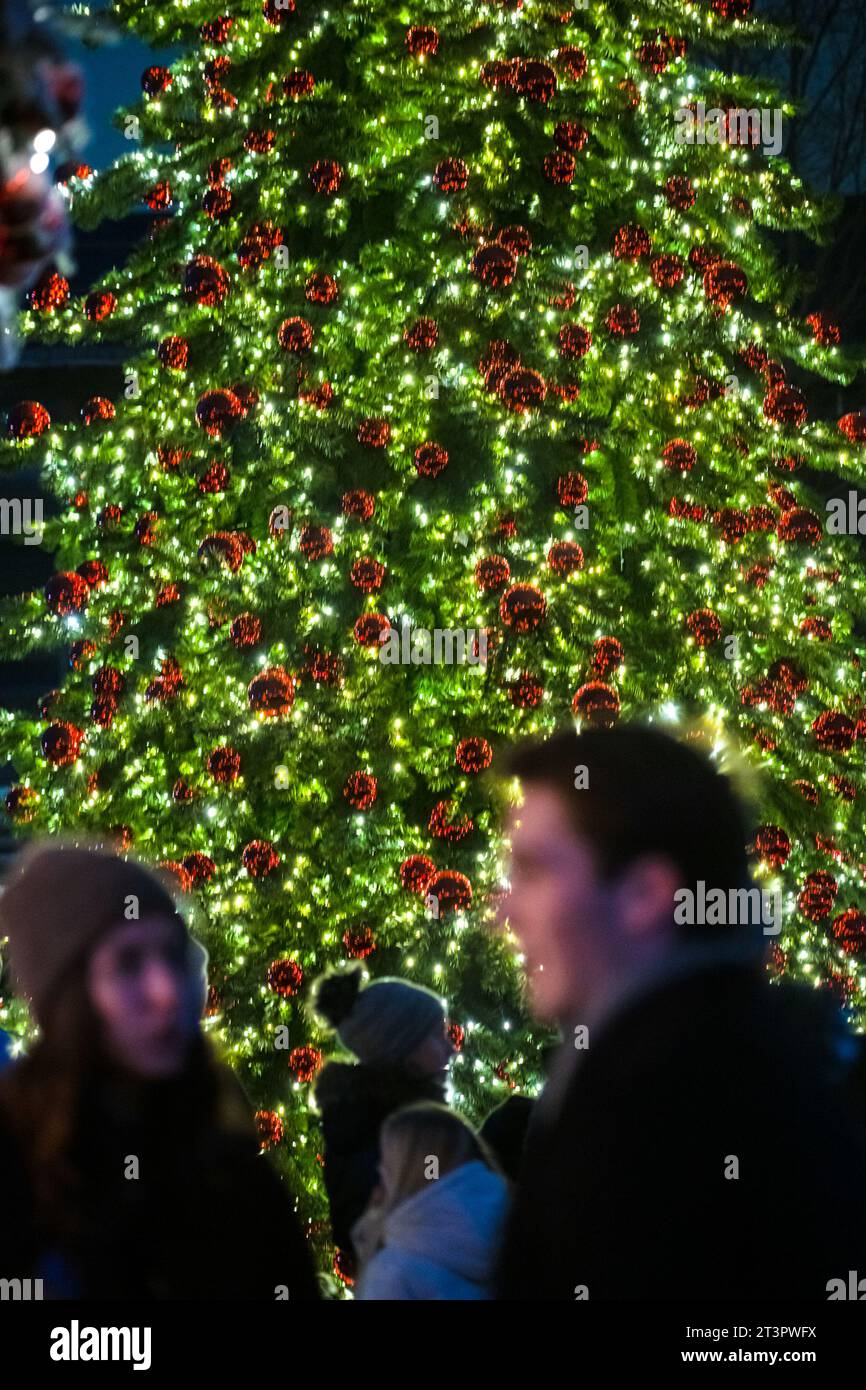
<point>397,1031</point>
<point>694,1121</point>
<point>434,1223</point>
<point>128,1156</point>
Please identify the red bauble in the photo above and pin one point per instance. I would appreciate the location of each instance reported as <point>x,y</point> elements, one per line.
<point>800,526</point>
<point>451,176</point>
<point>326,177</point>
<point>574,340</point>
<point>498,73</point>
<point>631,242</point>
<point>451,890</point>
<point>361,790</point>
<point>199,868</point>
<point>97,408</point>
<point>732,9</point>
<point>523,390</point>
<point>443,827</point>
<point>849,929</point>
<point>296,336</point>
<point>517,239</point>
<point>732,523</point>
<point>277,11</point>
<point>623,321</point>
<point>66,593</point>
<point>827,333</point>
<point>474,755</point>
<point>667,271</point>
<point>527,692</point>
<point>322,289</point>
<point>704,626</point>
<point>81,652</point>
<point>323,667</point>
<point>26,420</point>
<point>853,426</point>
<point>844,787</point>
<point>817,628</point>
<point>423,335</point>
<point>679,456</point>
<point>260,858</point>
<point>834,731</point>
<point>359,942</point>
<point>50,292</point>
<point>359,504</point>
<point>108,681</point>
<point>500,358</point>
<point>565,557</point>
<point>725,284</point>
<point>572,61</point>
<point>224,764</point>
<point>316,542</point>
<point>99,305</point>
<point>535,80</point>
<point>21,803</point>
<point>269,1128</point>
<point>523,608</point>
<point>371,629</point>
<point>416,872</point>
<point>155,80</point>
<point>205,281</point>
<point>773,844</point>
<point>285,977</point>
<point>374,433</point>
<point>816,897</point>
<point>272,693</point>
<point>298,83</point>
<point>597,703</point>
<point>61,743</point>
<point>257,141</point>
<point>246,630</point>
<point>216,31</point>
<point>431,459</point>
<point>182,792</point>
<point>214,479</point>
<point>173,353</point>
<point>492,572</point>
<point>572,489</point>
<point>607,655</point>
<point>422,40</point>
<point>225,548</point>
<point>571,136</point>
<point>785,405</point>
<point>494,265</point>
<point>217,411</point>
<point>559,167</point>
<point>680,193</point>
<point>304,1062</point>
<point>367,574</point>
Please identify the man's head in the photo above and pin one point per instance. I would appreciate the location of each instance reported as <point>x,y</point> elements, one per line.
<point>611,825</point>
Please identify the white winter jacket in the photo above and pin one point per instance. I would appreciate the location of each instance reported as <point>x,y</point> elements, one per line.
<point>441,1243</point>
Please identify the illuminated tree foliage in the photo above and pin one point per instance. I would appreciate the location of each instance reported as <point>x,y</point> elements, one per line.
<point>440,321</point>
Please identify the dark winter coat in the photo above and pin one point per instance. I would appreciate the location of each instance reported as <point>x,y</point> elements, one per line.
<point>627,1190</point>
<point>207,1217</point>
<point>354,1101</point>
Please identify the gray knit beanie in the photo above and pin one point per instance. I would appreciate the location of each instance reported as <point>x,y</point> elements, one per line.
<point>383,1023</point>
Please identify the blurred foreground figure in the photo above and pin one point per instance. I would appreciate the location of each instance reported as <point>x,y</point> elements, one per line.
<point>693,1140</point>
<point>397,1030</point>
<point>433,1227</point>
<point>128,1159</point>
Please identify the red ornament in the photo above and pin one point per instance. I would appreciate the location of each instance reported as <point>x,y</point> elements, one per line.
<point>572,489</point>
<point>269,1128</point>
<point>494,265</point>
<point>296,336</point>
<point>704,626</point>
<point>371,629</point>
<point>573,62</point>
<point>451,890</point>
<point>849,929</point>
<point>423,335</point>
<point>422,40</point>
<point>826,332</point>
<point>224,764</point>
<point>322,289</point>
<point>571,136</point>
<point>272,693</point>
<point>361,790</point>
<point>245,631</point>
<point>298,83</point>
<point>173,353</point>
<point>853,426</point>
<point>182,792</point>
<point>50,292</point>
<point>773,844</point>
<point>523,608</point>
<point>843,787</point>
<point>367,574</point>
<point>374,433</point>
<point>500,358</point>
<point>474,755</point>
<point>285,977</point>
<point>785,405</point>
<point>679,456</point>
<point>66,593</point>
<point>276,11</point>
<point>631,242</point>
<point>316,542</point>
<point>667,271</point>
<point>304,1062</point>
<point>21,803</point>
<point>732,523</point>
<point>725,284</point>
<point>523,390</point>
<point>559,167</point>
<point>214,479</point>
<point>535,80</point>
<point>359,942</point>
<point>816,897</point>
<point>99,305</point>
<point>431,459</point>
<point>26,420</point>
<point>492,572</point>
<point>597,703</point>
<point>217,411</point>
<point>574,340</point>
<point>61,743</point>
<point>565,557</point>
<point>323,667</point>
<point>817,628</point>
<point>155,80</point>
<point>326,177</point>
<point>527,692</point>
<point>205,281</point>
<point>623,321</point>
<point>443,827</point>
<point>680,193</point>
<point>800,526</point>
<point>359,504</point>
<point>260,858</point>
<point>607,655</point>
<point>416,872</point>
<point>834,731</point>
<point>199,868</point>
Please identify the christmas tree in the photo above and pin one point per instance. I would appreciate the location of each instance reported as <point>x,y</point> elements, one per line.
<point>464,396</point>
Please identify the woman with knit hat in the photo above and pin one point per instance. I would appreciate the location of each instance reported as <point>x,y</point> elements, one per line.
<point>128,1157</point>
<point>397,1032</point>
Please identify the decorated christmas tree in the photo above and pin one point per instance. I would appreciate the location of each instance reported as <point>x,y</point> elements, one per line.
<point>463,397</point>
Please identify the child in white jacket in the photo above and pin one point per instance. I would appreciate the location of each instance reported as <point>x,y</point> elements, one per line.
<point>433,1226</point>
